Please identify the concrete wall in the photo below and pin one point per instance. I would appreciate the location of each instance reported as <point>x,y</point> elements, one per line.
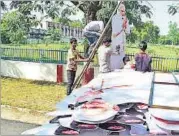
<point>34,71</point>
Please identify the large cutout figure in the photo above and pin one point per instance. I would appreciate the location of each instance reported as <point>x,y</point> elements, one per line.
<point>120,27</point>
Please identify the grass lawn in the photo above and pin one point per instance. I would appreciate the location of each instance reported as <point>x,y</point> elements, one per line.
<point>36,95</point>
<point>55,46</point>
<point>157,50</point>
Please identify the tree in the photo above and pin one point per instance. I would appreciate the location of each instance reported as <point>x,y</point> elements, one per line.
<point>52,9</point>
<point>63,21</point>
<point>55,34</point>
<point>89,8</point>
<point>93,10</point>
<point>25,8</point>
<point>3,5</point>
<point>99,10</point>
<point>152,32</point>
<point>173,9</point>
<point>76,23</point>
<point>164,40</point>
<point>173,33</point>
<point>52,35</point>
<point>68,22</point>
<point>3,38</point>
<point>102,10</point>
<point>147,31</point>
<point>16,26</point>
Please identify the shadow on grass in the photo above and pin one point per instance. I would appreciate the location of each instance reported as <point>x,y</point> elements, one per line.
<point>46,83</point>
<point>37,82</point>
<point>11,78</point>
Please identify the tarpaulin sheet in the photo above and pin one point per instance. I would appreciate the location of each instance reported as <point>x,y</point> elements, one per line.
<point>137,90</point>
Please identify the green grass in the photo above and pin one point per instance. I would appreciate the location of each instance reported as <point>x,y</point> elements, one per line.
<point>55,46</point>
<point>36,95</point>
<point>157,50</point>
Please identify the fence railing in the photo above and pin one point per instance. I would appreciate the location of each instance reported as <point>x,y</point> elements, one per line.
<point>165,64</point>
<point>59,56</point>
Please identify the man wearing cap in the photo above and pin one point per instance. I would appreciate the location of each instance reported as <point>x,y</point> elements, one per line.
<point>142,59</point>
<point>120,27</point>
<point>104,54</point>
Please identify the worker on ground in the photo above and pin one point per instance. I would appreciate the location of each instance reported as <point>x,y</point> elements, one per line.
<point>104,54</point>
<point>72,59</point>
<point>127,62</point>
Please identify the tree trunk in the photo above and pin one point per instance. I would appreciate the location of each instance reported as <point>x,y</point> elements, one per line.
<point>89,8</point>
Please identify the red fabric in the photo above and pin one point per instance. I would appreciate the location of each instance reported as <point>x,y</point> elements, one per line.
<point>88,76</point>
<point>133,66</point>
<point>59,73</point>
<point>167,121</point>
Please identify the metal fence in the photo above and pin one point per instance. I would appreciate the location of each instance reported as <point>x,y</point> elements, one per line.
<point>59,56</point>
<point>164,64</point>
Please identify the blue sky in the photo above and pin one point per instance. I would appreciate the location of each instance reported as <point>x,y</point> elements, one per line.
<point>160,16</point>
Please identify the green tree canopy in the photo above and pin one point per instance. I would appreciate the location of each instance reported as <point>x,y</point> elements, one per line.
<point>76,23</point>
<point>147,31</point>
<point>173,9</point>
<point>93,10</point>
<point>173,33</point>
<point>3,5</point>
<point>15,26</point>
<point>100,10</point>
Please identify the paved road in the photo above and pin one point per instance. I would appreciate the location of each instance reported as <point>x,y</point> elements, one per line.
<point>9,127</point>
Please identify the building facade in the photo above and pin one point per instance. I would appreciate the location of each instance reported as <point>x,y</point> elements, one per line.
<point>66,31</point>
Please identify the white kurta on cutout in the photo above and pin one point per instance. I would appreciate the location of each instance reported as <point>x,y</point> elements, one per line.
<point>118,43</point>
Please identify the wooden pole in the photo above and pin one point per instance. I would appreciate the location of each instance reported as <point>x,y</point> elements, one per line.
<point>175,78</point>
<point>165,83</point>
<point>152,91</point>
<point>165,107</point>
<point>77,81</point>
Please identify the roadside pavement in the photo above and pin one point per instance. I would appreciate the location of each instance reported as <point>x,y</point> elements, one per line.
<point>10,127</point>
<point>24,115</point>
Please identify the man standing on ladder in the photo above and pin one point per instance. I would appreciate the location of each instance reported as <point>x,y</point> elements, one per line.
<point>92,32</point>
<point>120,27</point>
